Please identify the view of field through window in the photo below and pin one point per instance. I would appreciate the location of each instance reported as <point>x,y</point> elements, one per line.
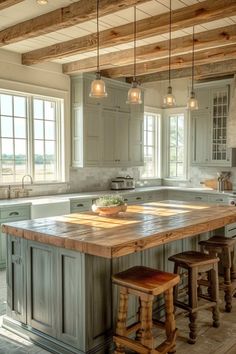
<point>28,139</point>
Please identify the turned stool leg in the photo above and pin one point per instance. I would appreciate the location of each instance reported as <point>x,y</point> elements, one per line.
<point>193,302</point>
<point>228,290</point>
<point>145,334</point>
<point>215,296</point>
<point>170,325</point>
<point>121,320</point>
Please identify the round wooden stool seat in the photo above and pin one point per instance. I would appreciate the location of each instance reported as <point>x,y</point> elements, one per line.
<point>197,263</point>
<point>146,280</point>
<point>145,283</point>
<point>193,258</point>
<point>219,241</point>
<point>223,247</point>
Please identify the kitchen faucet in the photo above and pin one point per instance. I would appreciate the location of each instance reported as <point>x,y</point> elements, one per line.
<point>22,181</point>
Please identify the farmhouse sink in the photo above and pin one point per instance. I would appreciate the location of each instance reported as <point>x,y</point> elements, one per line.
<point>45,207</point>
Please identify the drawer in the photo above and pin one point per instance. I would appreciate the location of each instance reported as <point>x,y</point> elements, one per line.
<point>80,205</point>
<point>230,230</point>
<point>15,213</point>
<point>217,199</point>
<point>198,198</point>
<point>134,199</point>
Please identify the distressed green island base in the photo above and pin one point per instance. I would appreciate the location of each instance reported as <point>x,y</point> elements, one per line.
<point>59,289</point>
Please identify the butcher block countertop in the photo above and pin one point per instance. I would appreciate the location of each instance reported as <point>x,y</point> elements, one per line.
<point>140,227</point>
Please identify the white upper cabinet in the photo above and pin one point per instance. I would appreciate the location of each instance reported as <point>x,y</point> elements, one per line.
<point>106,132</point>
<point>209,127</point>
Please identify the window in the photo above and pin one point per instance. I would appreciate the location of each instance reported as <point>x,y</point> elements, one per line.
<point>29,131</point>
<point>150,145</point>
<point>176,138</point>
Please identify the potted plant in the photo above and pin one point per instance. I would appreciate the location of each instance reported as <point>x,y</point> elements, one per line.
<point>109,205</point>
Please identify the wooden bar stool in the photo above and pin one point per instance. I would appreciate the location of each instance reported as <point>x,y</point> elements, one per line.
<point>196,263</point>
<point>223,247</point>
<point>145,283</point>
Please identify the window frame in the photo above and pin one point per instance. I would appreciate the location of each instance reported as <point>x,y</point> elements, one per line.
<point>157,113</point>
<point>166,153</point>
<point>59,119</point>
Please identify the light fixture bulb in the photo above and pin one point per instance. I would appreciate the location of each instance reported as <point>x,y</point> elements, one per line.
<point>98,87</point>
<point>169,99</point>
<point>134,94</point>
<point>42,2</point>
<point>192,104</point>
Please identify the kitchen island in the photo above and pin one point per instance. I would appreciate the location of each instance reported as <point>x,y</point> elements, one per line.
<point>59,269</point>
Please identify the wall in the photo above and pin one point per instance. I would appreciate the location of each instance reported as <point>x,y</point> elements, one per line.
<point>43,79</point>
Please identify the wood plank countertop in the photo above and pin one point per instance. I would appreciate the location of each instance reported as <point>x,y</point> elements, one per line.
<point>140,227</point>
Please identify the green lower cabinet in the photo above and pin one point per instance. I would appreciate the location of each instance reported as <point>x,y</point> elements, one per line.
<point>41,287</point>
<point>70,298</point>
<point>16,279</point>
<point>10,214</point>
<point>3,253</point>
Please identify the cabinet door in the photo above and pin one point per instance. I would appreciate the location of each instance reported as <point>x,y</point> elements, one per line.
<point>122,138</point>
<point>136,142</point>
<point>3,253</point>
<point>16,278</point>
<point>121,99</point>
<point>200,137</point>
<point>109,118</point>
<point>71,325</point>
<point>92,147</point>
<point>41,287</point>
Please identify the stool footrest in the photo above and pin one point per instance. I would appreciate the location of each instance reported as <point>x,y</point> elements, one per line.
<point>163,348</point>
<point>192,310</point>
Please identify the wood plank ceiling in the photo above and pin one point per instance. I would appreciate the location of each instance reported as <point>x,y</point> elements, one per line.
<point>64,31</point>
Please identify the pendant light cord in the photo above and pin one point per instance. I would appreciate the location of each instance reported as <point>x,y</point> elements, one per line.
<point>170,45</point>
<point>135,38</point>
<point>193,61</point>
<point>98,39</point>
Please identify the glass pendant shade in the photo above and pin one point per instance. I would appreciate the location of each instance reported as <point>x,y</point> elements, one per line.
<point>134,94</point>
<point>192,102</point>
<point>169,99</point>
<point>98,87</point>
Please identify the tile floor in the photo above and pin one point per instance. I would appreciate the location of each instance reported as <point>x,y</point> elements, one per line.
<point>210,340</point>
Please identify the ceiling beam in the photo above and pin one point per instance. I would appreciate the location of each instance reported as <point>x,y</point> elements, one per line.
<point>74,14</point>
<point>204,71</point>
<point>207,39</point>
<point>199,13</point>
<point>180,61</point>
<point>4,4</point>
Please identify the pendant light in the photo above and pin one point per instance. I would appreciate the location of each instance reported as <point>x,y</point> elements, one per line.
<point>169,99</point>
<point>192,101</point>
<point>134,93</point>
<point>98,88</point>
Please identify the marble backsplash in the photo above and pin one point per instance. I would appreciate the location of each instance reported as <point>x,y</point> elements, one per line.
<point>97,179</point>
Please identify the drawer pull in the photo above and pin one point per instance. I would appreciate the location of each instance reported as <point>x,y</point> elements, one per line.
<point>138,198</point>
<point>126,200</point>
<point>14,213</point>
<point>198,198</point>
<point>219,200</point>
<point>80,205</point>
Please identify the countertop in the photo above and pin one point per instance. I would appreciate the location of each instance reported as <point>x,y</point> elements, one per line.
<point>140,228</point>
<point>95,194</point>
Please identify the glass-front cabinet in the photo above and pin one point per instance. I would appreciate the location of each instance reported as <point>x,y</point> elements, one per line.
<point>209,127</point>
<point>220,102</point>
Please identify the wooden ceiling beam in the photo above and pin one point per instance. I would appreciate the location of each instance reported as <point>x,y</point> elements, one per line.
<point>4,4</point>
<point>207,39</point>
<point>178,62</point>
<point>199,13</point>
<point>205,71</point>
<point>74,14</point>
